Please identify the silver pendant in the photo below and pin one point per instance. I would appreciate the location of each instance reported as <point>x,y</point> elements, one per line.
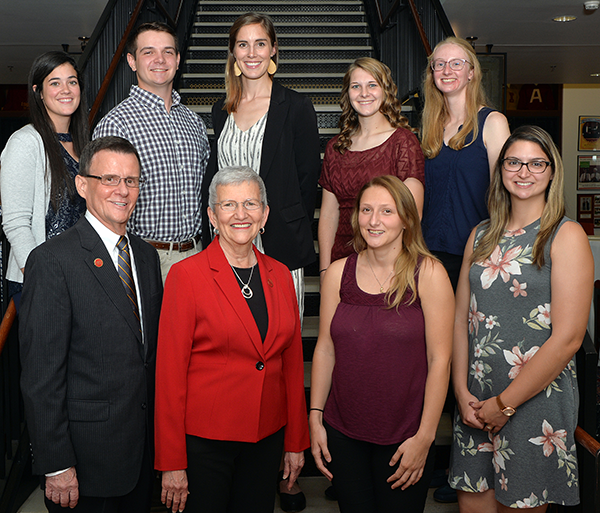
<point>247,292</point>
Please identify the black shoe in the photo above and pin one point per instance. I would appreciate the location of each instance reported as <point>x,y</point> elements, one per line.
<point>445,494</point>
<point>291,503</point>
<point>331,494</point>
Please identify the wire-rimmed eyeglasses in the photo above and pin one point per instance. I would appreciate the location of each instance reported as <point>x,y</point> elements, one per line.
<point>132,182</point>
<point>231,206</point>
<point>534,166</point>
<point>454,64</point>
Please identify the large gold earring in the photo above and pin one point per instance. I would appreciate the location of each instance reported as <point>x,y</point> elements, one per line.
<point>272,67</point>
<point>236,69</point>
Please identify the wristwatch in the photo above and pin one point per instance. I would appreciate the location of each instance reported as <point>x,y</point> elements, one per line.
<point>509,411</point>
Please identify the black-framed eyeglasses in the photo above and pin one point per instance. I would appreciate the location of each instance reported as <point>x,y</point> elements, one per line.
<point>454,64</point>
<point>534,166</point>
<point>132,182</point>
<point>231,206</point>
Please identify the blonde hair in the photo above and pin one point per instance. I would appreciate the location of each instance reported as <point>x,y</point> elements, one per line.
<point>233,84</point>
<point>435,112</point>
<point>499,201</point>
<point>414,248</point>
<point>390,105</point>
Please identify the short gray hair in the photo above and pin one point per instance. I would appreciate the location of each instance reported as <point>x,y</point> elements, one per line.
<point>235,175</point>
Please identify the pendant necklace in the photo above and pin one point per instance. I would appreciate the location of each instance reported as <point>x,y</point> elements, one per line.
<point>384,281</point>
<point>246,290</point>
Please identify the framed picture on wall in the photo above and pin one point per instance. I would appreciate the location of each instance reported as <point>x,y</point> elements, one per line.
<point>589,133</point>
<point>588,172</point>
<point>585,205</point>
<point>493,69</point>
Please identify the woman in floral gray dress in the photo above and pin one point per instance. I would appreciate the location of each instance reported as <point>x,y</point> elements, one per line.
<point>522,306</point>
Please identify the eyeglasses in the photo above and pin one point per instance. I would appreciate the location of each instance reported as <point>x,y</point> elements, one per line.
<point>231,206</point>
<point>132,182</point>
<point>534,166</point>
<point>455,64</point>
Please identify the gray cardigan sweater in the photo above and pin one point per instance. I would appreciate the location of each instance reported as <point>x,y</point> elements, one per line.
<point>25,195</point>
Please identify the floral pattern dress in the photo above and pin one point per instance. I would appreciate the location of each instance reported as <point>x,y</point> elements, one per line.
<point>531,460</point>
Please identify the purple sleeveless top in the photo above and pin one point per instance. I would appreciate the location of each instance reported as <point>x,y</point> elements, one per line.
<point>378,382</point>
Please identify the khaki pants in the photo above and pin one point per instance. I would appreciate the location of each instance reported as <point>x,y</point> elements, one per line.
<point>168,257</point>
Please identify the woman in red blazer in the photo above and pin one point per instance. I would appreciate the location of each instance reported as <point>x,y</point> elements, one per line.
<point>230,375</point>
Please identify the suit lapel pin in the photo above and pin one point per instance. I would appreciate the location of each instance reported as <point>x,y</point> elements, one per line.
<point>270,283</point>
<point>98,262</point>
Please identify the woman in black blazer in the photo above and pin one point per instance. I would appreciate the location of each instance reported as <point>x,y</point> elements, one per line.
<point>273,130</point>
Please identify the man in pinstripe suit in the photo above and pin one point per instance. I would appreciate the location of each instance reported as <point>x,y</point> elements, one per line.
<point>88,329</point>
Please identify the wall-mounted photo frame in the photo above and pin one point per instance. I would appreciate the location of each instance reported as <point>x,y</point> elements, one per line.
<point>493,69</point>
<point>588,172</point>
<point>589,133</point>
<point>585,212</point>
<point>585,205</point>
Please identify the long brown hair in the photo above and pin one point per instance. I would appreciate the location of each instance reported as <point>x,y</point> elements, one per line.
<point>435,112</point>
<point>499,201</point>
<point>390,106</point>
<point>233,84</point>
<point>59,175</point>
<point>414,248</point>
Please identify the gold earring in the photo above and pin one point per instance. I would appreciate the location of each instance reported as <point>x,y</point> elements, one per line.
<point>236,69</point>
<point>272,67</point>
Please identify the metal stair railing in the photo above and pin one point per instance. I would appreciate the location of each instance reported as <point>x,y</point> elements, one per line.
<point>108,80</point>
<point>20,459</point>
<point>105,71</point>
<point>404,36</point>
<point>588,448</point>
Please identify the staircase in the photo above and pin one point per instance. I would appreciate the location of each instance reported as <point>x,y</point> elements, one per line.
<point>318,40</point>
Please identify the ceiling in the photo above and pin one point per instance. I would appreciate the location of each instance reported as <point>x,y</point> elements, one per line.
<point>538,49</point>
<point>29,28</point>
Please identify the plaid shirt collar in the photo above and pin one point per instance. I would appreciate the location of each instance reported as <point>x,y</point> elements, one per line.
<point>151,100</point>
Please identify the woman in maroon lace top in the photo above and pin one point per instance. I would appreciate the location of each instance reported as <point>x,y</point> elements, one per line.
<point>382,361</point>
<point>374,140</point>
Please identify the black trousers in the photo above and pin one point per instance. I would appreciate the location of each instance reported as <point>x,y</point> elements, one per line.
<point>233,477</point>
<point>360,472</point>
<point>136,501</point>
<point>452,264</point>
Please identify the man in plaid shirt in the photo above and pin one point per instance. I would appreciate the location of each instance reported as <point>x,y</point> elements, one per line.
<point>171,141</point>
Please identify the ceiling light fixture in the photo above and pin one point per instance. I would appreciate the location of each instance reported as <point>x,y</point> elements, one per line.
<point>592,5</point>
<point>595,75</point>
<point>566,17</point>
<point>472,39</point>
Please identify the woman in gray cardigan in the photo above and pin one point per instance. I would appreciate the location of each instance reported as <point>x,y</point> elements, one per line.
<point>40,161</point>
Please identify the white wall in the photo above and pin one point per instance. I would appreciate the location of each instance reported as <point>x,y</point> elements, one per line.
<point>578,100</point>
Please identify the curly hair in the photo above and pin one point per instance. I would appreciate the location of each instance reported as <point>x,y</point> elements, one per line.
<point>233,84</point>
<point>390,106</point>
<point>435,112</point>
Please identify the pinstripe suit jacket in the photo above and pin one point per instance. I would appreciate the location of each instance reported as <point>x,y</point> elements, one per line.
<point>88,380</point>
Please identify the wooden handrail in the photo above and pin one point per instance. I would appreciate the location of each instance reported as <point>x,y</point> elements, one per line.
<point>587,441</point>
<point>7,322</point>
<point>383,23</point>
<point>424,40</point>
<point>114,63</point>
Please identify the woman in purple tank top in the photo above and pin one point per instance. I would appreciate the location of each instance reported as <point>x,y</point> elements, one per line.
<point>381,366</point>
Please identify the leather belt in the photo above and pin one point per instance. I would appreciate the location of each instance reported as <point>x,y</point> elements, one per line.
<point>181,247</point>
